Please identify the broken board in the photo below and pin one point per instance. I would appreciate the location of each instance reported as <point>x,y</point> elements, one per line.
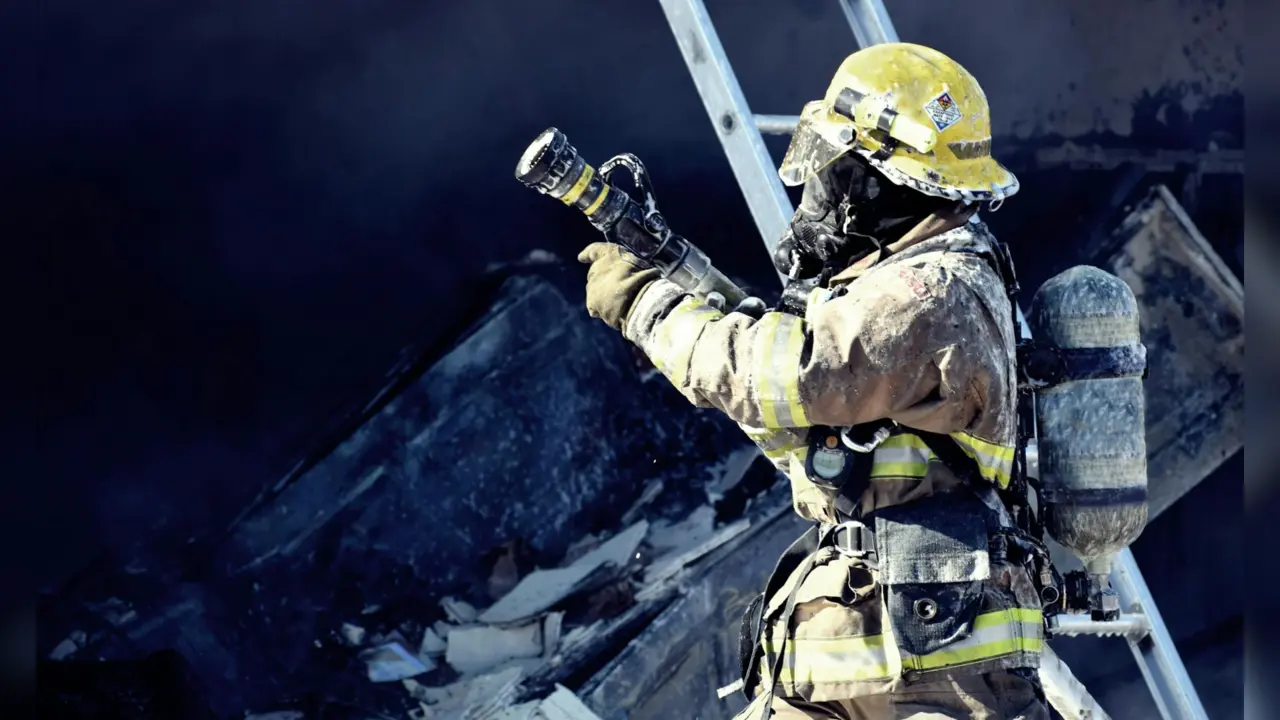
<point>1192,322</point>
<point>675,666</point>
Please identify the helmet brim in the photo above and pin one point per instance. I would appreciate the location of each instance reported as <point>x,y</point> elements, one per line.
<point>978,180</point>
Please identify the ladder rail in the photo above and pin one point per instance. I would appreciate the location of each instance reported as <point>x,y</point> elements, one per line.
<point>1155,653</point>
<point>731,117</point>
<point>869,21</point>
<point>1064,692</point>
<point>740,134</point>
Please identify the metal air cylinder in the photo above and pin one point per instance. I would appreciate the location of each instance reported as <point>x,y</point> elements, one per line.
<point>1090,364</point>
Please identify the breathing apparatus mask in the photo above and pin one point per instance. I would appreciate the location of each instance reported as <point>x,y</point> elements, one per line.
<point>848,210</point>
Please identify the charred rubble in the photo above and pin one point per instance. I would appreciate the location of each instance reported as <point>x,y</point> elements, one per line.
<point>493,530</point>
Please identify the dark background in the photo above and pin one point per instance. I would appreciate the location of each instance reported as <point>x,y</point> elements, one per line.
<point>224,220</point>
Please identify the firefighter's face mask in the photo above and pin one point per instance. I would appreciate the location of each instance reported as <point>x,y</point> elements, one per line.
<point>847,210</point>
<point>823,232</point>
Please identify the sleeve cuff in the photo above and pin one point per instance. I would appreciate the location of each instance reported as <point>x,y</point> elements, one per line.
<point>654,303</point>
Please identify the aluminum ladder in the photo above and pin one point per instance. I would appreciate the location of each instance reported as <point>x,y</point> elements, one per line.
<point>740,134</point>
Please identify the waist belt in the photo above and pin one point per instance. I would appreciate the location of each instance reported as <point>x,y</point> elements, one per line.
<point>995,635</point>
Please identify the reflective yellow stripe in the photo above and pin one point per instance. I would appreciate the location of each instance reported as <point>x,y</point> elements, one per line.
<point>906,456</point>
<point>773,443</point>
<point>779,343</point>
<point>898,470</point>
<point>795,343</point>
<point>904,440</point>
<point>1003,452</point>
<point>579,187</point>
<point>595,204</point>
<point>970,655</point>
<point>1011,615</point>
<point>676,335</point>
<point>832,660</point>
<point>767,329</point>
<point>995,462</point>
<point>900,456</point>
<point>1002,632</point>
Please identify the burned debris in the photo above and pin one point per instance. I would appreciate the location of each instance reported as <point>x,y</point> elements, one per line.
<point>510,659</point>
<point>395,572</point>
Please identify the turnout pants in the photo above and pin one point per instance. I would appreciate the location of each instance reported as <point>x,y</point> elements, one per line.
<point>994,696</point>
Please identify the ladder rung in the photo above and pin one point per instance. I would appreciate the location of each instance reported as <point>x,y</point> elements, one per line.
<point>777,124</point>
<point>1129,625</point>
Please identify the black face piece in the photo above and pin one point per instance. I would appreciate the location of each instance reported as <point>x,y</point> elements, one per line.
<point>846,211</point>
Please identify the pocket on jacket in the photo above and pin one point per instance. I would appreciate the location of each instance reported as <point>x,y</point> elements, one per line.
<point>933,568</point>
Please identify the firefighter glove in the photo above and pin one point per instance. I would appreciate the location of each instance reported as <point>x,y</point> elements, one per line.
<point>614,281</point>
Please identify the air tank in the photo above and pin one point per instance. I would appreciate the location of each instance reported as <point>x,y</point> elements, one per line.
<point>1090,364</point>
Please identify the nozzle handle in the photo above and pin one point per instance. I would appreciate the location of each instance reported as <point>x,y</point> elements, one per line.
<point>553,167</point>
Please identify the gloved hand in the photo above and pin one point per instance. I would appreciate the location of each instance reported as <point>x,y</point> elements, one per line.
<point>752,306</point>
<point>614,281</point>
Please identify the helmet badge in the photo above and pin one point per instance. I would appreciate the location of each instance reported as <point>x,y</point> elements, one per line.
<point>942,111</point>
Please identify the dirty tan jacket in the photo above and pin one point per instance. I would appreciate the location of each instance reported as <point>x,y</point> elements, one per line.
<point>923,337</point>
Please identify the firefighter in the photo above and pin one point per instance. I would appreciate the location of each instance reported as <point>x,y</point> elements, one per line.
<point>887,396</point>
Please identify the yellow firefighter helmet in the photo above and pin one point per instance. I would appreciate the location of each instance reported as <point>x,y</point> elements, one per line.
<point>913,113</point>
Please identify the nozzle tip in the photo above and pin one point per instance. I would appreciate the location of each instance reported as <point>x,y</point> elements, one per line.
<point>536,161</point>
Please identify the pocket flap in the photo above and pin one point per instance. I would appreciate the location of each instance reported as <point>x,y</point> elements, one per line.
<point>929,617</point>
<point>835,578</point>
<point>939,539</point>
<point>827,581</point>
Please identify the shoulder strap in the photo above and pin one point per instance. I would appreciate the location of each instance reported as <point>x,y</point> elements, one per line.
<point>966,468</point>
<point>949,452</point>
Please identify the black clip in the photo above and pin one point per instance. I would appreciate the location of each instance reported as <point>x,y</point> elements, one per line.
<point>1039,364</point>
<point>886,149</point>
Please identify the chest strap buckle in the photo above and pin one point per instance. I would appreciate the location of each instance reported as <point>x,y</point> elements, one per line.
<point>852,538</point>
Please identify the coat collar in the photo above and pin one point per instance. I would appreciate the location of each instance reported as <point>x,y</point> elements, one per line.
<point>931,227</point>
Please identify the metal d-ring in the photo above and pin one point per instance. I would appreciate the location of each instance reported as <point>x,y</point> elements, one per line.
<point>881,434</point>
